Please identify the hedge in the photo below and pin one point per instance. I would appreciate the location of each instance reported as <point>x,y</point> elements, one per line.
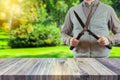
<point>34,36</point>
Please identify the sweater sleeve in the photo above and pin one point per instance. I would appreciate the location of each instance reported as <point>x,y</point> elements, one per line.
<point>67,29</point>
<point>114,25</point>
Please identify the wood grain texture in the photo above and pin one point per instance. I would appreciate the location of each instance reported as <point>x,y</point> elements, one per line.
<point>59,69</point>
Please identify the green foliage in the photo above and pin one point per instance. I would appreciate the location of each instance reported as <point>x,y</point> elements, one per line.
<point>3,39</point>
<point>49,35</point>
<point>109,2</point>
<point>58,9</point>
<point>42,11</point>
<point>53,11</point>
<point>34,36</point>
<point>116,4</point>
<point>34,10</point>
<point>19,12</point>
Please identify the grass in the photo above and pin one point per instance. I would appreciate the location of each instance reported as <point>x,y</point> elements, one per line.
<point>3,39</point>
<point>45,52</point>
<point>115,53</point>
<point>49,52</point>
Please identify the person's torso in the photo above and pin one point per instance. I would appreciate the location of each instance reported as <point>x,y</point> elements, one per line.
<point>98,25</point>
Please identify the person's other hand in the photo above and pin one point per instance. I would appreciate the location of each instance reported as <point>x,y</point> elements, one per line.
<point>103,41</point>
<point>74,42</point>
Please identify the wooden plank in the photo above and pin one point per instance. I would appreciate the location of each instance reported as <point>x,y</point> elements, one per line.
<point>7,65</point>
<point>2,60</point>
<point>94,67</point>
<point>112,64</point>
<point>21,67</point>
<point>95,70</point>
<point>39,67</point>
<point>58,69</point>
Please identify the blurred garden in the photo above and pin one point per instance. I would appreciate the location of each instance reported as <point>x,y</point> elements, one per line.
<point>31,28</point>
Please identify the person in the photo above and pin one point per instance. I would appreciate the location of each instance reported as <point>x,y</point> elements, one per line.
<point>101,23</point>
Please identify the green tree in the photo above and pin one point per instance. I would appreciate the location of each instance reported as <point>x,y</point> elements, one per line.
<point>109,2</point>
<point>116,4</point>
<point>34,10</point>
<point>18,12</point>
<point>58,9</point>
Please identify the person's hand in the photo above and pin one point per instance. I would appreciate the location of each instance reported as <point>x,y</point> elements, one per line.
<point>103,41</point>
<point>74,42</point>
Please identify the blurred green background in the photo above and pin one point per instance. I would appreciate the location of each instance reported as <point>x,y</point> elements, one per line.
<point>31,28</point>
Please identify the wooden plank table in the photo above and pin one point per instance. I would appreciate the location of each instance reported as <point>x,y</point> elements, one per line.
<point>59,69</point>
